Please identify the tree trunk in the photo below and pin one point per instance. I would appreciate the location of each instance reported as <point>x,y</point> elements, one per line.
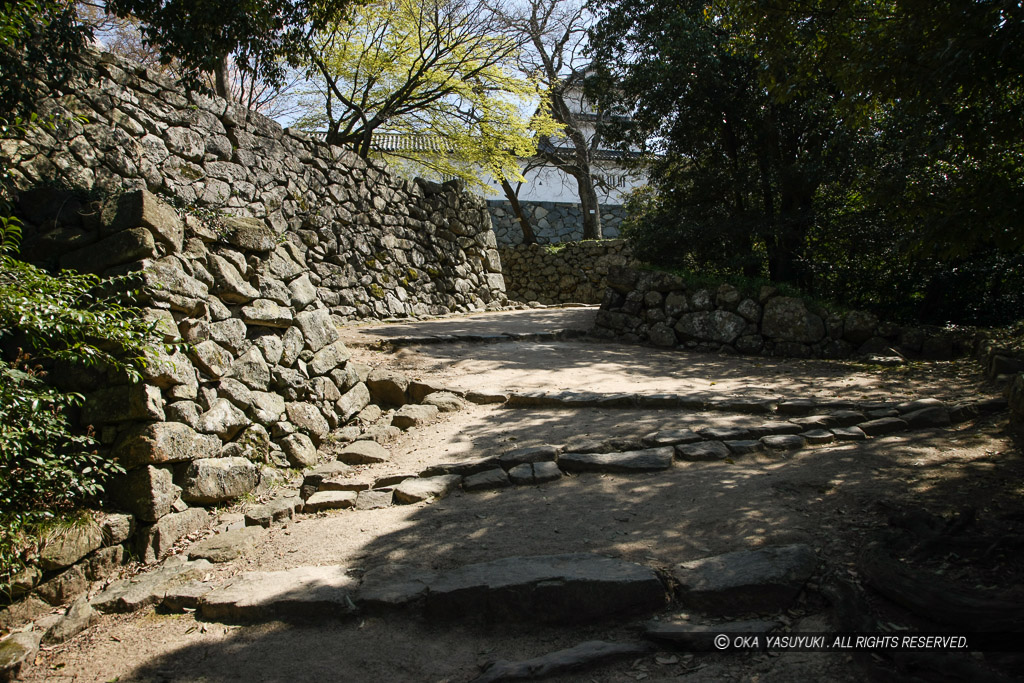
<point>524,223</point>
<point>591,208</point>
<point>222,83</point>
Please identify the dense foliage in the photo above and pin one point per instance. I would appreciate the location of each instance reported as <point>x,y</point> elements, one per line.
<point>38,39</point>
<point>47,467</point>
<point>438,76</point>
<point>869,152</point>
<point>263,37</point>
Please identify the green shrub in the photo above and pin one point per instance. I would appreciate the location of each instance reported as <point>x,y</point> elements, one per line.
<point>48,469</point>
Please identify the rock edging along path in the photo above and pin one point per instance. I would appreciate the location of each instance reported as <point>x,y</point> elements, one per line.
<point>558,589</point>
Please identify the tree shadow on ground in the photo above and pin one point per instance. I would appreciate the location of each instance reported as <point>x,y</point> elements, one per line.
<point>833,498</point>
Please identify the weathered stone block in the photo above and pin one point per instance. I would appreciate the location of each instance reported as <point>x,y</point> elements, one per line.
<point>142,209</point>
<point>163,442</point>
<point>147,492</point>
<point>134,402</point>
<point>216,480</point>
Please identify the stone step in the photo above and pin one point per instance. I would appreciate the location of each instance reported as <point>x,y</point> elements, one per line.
<point>648,460</point>
<point>552,588</point>
<point>763,580</point>
<point>301,593</point>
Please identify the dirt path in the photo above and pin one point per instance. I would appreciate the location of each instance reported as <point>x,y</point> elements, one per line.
<point>831,497</point>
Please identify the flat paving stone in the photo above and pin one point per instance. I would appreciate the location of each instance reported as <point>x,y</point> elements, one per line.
<point>883,426</point>
<point>727,433</point>
<point>486,397</point>
<point>418,489</point>
<point>772,428</point>
<point>534,473</point>
<point>227,546</point>
<point>550,588</point>
<point>445,401</point>
<point>847,418</point>
<point>919,404</point>
<point>483,481</point>
<point>670,437</point>
<point>143,590</point>
<point>374,500</point>
<point>818,436</point>
<point>924,418</point>
<point>344,483</point>
<point>463,468</point>
<point>413,415</point>
<point>300,593</point>
<point>648,460</point>
<point>543,472</point>
<point>393,585</point>
<point>763,580</point>
<point>798,406</point>
<point>744,405</point>
<point>784,442</point>
<point>703,451</point>
<point>329,500</point>
<point>389,481</point>
<point>275,511</point>
<point>744,447</point>
<point>849,433</point>
<point>815,422</point>
<point>363,453</point>
<point>519,456</point>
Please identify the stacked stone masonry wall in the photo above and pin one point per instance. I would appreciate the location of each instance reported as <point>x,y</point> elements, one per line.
<point>658,308</point>
<point>273,240</point>
<point>552,222</point>
<point>373,246</point>
<point>576,273</point>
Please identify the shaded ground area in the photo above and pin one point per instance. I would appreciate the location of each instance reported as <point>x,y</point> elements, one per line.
<point>834,498</point>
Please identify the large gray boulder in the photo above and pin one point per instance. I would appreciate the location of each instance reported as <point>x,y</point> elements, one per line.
<point>710,326</point>
<point>216,480</point>
<point>317,328</point>
<point>163,442</point>
<point>147,492</point>
<point>787,319</point>
<point>143,209</point>
<point>764,580</point>
<point>387,387</point>
<point>157,540</point>
<point>68,545</point>
<point>309,419</point>
<point>223,419</point>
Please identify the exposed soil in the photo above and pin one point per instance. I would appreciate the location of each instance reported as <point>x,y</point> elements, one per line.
<point>834,497</point>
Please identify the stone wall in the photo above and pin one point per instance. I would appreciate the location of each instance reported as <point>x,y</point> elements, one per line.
<point>576,272</point>
<point>658,308</point>
<point>260,243</point>
<point>375,246</point>
<point>553,222</point>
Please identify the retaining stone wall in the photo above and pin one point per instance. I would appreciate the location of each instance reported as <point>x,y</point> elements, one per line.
<point>658,308</point>
<point>576,273</point>
<point>552,222</point>
<point>375,246</point>
<point>285,239</point>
